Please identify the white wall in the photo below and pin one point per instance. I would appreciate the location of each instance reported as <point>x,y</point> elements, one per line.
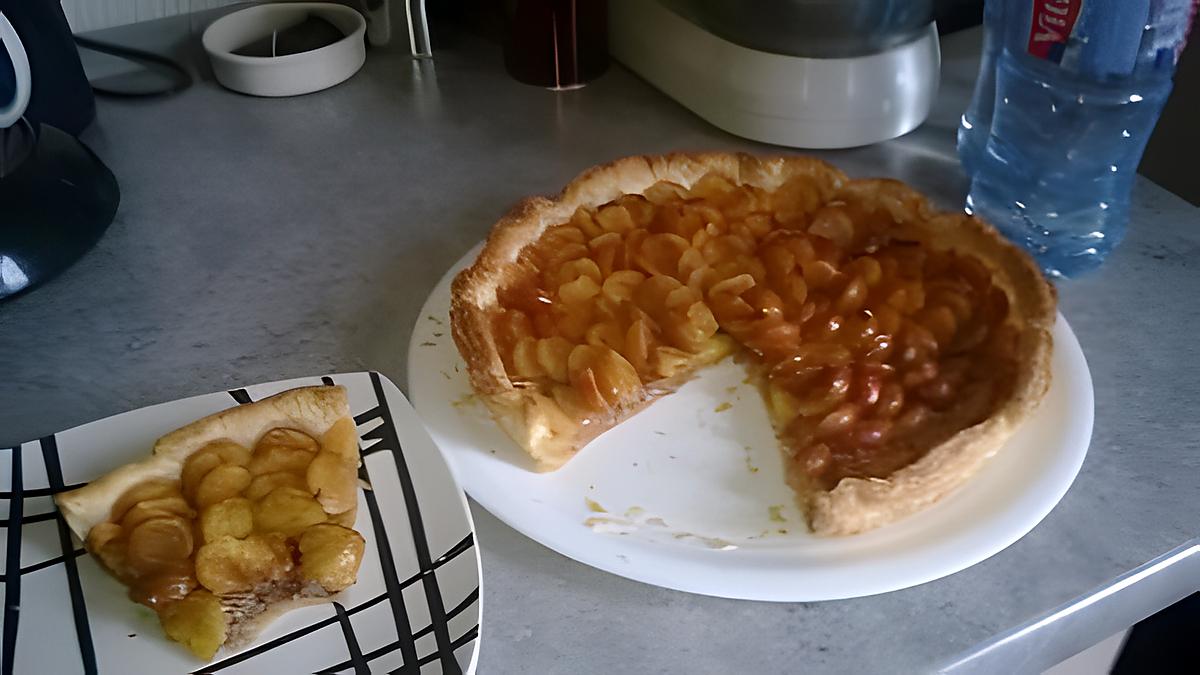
<point>84,15</point>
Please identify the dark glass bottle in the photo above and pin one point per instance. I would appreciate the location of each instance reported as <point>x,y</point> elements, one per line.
<point>558,44</point>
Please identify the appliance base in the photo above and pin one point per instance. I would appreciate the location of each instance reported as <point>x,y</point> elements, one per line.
<point>786,100</point>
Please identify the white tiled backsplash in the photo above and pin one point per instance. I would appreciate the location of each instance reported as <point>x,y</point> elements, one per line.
<point>85,15</point>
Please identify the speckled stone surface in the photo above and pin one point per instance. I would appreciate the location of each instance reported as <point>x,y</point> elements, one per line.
<point>261,239</point>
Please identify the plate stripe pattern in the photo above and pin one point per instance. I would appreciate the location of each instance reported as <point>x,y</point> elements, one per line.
<point>387,438</point>
<point>356,657</point>
<point>395,595</point>
<point>12,561</point>
<point>78,606</point>
<point>386,433</point>
<point>13,572</point>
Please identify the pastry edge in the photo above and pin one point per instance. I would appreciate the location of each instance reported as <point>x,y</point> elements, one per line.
<point>854,505</point>
<point>312,410</point>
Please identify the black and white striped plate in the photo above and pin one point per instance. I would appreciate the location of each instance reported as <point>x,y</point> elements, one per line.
<point>415,608</point>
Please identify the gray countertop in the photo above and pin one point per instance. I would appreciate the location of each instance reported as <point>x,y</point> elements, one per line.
<point>261,239</point>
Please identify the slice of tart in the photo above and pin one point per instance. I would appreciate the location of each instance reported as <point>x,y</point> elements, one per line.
<point>233,519</point>
<point>897,347</point>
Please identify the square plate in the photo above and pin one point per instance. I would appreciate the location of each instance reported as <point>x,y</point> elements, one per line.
<point>417,600</point>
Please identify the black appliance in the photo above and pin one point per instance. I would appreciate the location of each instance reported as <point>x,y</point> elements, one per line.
<point>56,197</point>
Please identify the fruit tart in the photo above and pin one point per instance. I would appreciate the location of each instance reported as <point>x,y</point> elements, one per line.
<point>897,347</point>
<point>233,519</point>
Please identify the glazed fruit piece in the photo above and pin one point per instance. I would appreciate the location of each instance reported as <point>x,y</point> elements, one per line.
<point>228,522</point>
<point>896,347</point>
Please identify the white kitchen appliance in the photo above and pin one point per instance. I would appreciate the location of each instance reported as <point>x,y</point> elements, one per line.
<point>800,73</point>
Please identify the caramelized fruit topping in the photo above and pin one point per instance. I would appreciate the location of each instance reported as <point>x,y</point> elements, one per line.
<point>238,520</point>
<point>873,348</point>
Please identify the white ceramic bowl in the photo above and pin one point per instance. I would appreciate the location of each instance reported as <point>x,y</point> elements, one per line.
<point>291,74</point>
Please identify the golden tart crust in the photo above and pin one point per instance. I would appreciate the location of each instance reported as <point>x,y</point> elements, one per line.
<point>533,419</point>
<point>313,410</point>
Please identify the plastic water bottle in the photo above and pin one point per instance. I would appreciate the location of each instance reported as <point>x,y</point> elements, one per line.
<point>1079,87</point>
<point>976,122</point>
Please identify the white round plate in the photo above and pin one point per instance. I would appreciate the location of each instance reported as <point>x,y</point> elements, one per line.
<point>693,499</point>
<point>416,601</point>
